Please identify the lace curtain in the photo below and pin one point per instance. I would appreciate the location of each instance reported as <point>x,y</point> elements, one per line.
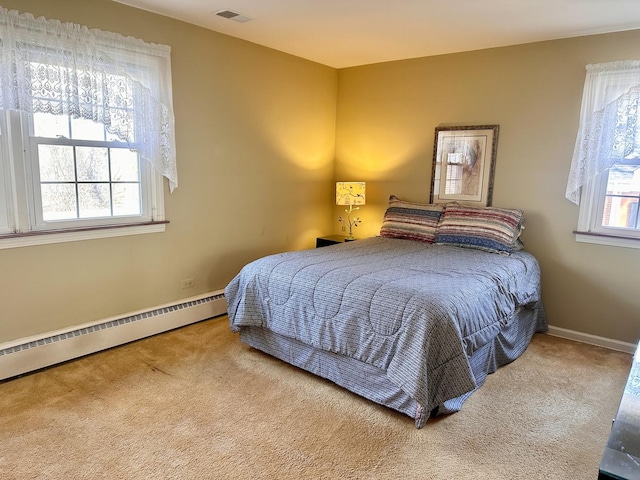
<point>52,67</point>
<point>609,121</point>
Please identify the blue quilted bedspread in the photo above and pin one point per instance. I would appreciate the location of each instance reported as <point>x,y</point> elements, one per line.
<point>414,310</point>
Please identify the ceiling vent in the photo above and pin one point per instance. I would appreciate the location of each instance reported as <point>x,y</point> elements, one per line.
<point>235,16</point>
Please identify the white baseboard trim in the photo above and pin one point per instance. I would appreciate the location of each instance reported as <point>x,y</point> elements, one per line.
<point>592,339</point>
<point>33,353</point>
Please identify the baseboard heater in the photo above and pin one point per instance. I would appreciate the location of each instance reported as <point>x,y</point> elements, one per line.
<point>33,353</point>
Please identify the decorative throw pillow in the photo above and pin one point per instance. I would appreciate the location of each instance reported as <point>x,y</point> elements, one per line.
<point>411,221</point>
<point>485,228</point>
<point>518,244</point>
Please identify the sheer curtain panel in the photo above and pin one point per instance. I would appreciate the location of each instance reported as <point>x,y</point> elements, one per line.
<point>608,131</point>
<point>47,66</point>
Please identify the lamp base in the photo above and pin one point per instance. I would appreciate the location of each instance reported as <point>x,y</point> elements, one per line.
<point>351,223</point>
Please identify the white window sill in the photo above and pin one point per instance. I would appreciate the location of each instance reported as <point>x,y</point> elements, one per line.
<point>611,240</point>
<point>74,235</point>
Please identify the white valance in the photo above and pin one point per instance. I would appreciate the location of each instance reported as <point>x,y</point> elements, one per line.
<point>609,121</point>
<point>52,67</point>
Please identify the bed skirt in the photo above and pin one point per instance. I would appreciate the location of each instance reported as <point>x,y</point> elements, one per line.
<point>372,382</point>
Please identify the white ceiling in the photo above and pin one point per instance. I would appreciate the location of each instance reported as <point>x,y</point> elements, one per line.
<point>344,33</point>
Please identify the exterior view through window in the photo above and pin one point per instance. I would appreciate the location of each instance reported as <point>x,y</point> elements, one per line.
<point>622,197</point>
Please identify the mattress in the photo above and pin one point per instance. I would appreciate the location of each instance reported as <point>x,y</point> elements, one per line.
<point>415,326</point>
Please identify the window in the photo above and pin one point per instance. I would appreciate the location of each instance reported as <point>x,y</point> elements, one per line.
<point>81,174</point>
<point>86,132</point>
<point>605,172</point>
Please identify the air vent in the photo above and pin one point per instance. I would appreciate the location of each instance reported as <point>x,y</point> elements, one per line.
<point>235,16</point>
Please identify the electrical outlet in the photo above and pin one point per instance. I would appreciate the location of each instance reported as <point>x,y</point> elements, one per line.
<point>187,283</point>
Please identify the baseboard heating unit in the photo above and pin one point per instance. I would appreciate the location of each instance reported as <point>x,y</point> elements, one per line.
<point>33,353</point>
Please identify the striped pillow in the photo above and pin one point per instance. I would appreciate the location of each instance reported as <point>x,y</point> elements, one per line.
<point>490,229</point>
<point>410,221</point>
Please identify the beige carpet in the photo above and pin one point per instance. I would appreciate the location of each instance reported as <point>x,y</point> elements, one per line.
<point>196,404</point>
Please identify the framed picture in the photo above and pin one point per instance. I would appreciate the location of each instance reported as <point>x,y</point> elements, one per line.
<point>464,161</point>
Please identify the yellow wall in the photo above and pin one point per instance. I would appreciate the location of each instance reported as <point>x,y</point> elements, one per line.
<point>255,137</point>
<point>387,114</point>
<point>256,131</point>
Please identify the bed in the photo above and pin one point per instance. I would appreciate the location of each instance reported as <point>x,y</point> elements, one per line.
<point>412,324</point>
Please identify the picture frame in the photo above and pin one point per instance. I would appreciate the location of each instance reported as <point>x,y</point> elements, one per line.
<point>464,161</point>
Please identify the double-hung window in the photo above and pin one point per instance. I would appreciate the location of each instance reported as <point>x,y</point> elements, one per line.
<point>86,132</point>
<point>79,173</point>
<point>605,171</point>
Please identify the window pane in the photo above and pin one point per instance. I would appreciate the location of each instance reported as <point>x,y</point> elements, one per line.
<point>58,201</point>
<point>83,129</point>
<point>126,199</point>
<point>92,164</point>
<point>51,126</point>
<point>94,200</point>
<point>124,165</point>
<point>621,201</point>
<point>56,163</point>
<point>621,212</point>
<point>624,180</point>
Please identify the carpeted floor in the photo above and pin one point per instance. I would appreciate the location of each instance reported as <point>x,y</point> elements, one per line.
<point>194,403</point>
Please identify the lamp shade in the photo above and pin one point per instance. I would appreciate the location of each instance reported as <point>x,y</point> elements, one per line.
<point>350,193</point>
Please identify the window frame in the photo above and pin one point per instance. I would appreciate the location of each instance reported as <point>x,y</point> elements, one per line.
<point>590,228</point>
<point>5,186</point>
<point>20,192</point>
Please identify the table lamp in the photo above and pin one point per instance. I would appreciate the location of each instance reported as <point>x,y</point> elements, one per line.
<point>352,194</point>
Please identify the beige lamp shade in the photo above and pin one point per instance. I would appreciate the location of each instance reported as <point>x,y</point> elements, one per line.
<point>350,193</point>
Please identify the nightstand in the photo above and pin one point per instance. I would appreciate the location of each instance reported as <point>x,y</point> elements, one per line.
<point>331,240</point>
